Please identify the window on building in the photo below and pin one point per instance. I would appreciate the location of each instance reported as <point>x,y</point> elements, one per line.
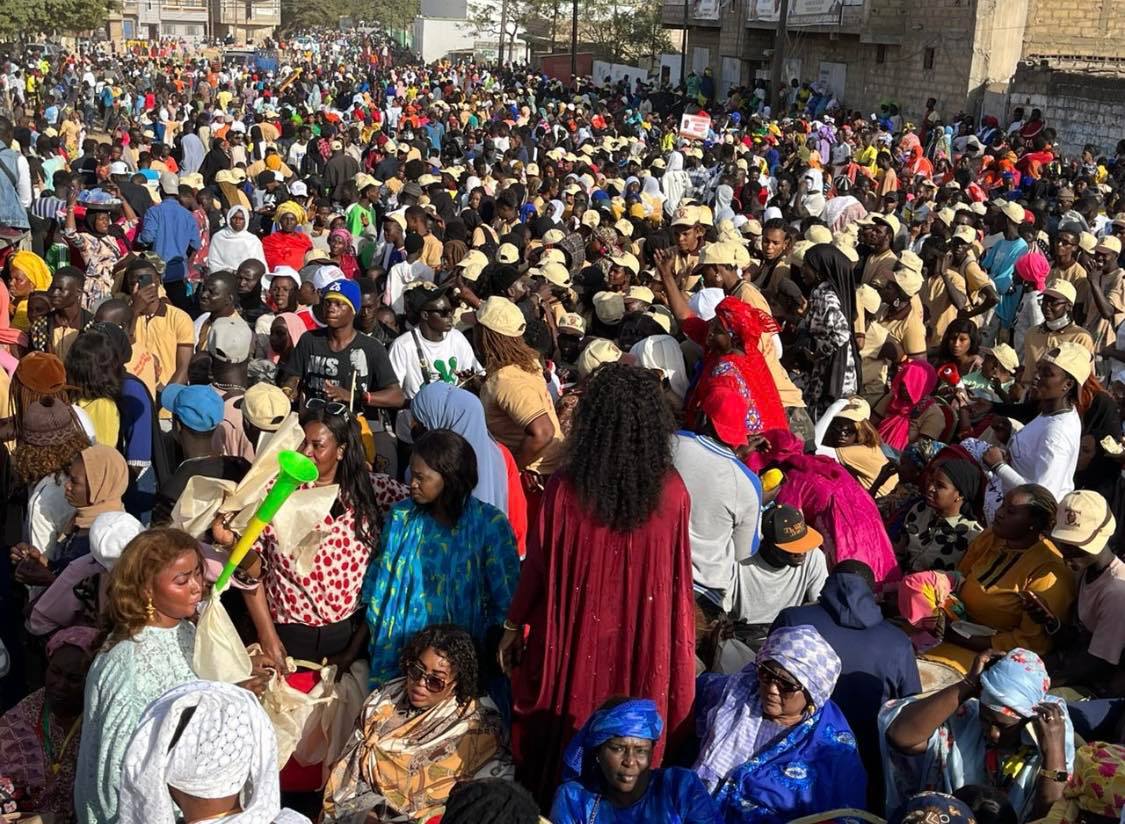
<point>880,54</point>
<point>928,58</point>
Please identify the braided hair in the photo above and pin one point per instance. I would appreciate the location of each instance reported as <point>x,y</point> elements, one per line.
<point>621,445</point>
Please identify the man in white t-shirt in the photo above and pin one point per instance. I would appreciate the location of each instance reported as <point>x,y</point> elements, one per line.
<point>431,351</point>
<point>789,569</point>
<point>407,271</point>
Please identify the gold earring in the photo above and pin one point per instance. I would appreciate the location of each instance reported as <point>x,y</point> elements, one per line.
<point>150,610</point>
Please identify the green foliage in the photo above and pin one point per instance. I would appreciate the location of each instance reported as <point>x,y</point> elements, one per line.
<point>22,18</point>
<point>393,15</point>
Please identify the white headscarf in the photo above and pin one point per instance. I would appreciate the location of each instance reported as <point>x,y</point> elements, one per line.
<point>704,302</point>
<point>230,248</point>
<point>675,182</point>
<point>226,748</point>
<point>724,196</point>
<point>663,352</point>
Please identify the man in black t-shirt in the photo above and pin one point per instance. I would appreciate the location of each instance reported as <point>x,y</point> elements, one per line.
<point>337,364</point>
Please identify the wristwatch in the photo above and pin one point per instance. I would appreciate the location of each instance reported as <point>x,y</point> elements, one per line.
<point>1060,776</point>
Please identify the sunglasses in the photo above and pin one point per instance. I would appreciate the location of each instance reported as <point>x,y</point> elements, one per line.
<point>784,685</point>
<point>331,407</point>
<point>417,673</point>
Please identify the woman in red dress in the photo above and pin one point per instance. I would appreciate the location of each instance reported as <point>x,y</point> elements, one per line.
<point>606,590</point>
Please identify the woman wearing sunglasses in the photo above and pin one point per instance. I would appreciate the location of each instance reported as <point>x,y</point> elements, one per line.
<point>418,735</point>
<point>776,748</point>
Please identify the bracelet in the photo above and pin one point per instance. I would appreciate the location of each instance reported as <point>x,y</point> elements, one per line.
<point>1061,776</point>
<point>510,627</point>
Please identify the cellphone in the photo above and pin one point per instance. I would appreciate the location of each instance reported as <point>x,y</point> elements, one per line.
<point>144,279</point>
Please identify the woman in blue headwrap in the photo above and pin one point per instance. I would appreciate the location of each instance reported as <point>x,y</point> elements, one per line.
<point>441,405</point>
<point>996,727</point>
<point>775,747</point>
<point>608,775</point>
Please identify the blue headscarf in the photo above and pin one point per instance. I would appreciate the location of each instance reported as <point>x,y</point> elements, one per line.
<point>635,718</point>
<point>441,405</point>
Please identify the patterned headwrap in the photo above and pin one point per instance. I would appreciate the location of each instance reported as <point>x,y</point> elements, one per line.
<point>82,637</point>
<point>635,718</point>
<point>1016,684</point>
<point>735,719</point>
<point>291,207</point>
<point>743,322</point>
<point>1097,785</point>
<point>930,807</point>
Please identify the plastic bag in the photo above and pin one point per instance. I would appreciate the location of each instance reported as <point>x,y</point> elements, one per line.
<point>219,653</point>
<point>297,715</point>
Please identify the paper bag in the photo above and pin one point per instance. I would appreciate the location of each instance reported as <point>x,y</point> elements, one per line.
<point>219,653</point>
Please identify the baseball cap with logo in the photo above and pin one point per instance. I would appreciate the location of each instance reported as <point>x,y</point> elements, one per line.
<point>230,340</point>
<point>501,316</point>
<point>1084,521</point>
<point>595,353</point>
<point>346,291</point>
<point>890,221</point>
<point>785,528</point>
<point>908,274</point>
<point>1005,356</point>
<point>264,406</point>
<point>686,216</point>
<point>199,408</point>
<point>572,322</point>
<point>553,256</point>
<point>965,234</point>
<point>591,219</point>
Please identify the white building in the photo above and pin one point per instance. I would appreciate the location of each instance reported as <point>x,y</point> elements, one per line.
<point>443,29</point>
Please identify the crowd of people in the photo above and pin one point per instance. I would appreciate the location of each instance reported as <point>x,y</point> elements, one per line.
<point>768,477</point>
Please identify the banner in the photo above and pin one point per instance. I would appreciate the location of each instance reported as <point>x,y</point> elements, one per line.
<point>695,126</point>
<point>704,9</point>
<point>801,12</point>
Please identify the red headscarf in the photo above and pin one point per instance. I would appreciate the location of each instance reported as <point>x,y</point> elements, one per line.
<point>911,387</point>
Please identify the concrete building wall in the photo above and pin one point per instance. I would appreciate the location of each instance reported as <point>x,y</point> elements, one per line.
<point>1080,107</point>
<point>1091,28</point>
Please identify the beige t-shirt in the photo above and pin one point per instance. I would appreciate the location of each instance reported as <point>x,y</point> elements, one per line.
<point>878,268</point>
<point>512,399</point>
<point>910,331</point>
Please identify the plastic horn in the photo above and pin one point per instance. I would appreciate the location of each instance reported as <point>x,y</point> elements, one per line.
<point>295,470</point>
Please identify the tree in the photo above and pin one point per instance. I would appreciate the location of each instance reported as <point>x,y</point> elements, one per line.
<point>27,18</point>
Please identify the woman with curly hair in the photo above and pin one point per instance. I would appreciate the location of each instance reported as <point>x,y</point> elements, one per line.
<point>154,591</point>
<point>444,556</point>
<point>419,735</point>
<point>95,375</point>
<point>607,585</point>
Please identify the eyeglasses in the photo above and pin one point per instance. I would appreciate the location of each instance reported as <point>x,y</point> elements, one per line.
<point>331,407</point>
<point>784,685</point>
<point>417,673</point>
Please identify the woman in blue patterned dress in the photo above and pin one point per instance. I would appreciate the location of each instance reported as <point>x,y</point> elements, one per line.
<point>444,557</point>
<point>775,747</point>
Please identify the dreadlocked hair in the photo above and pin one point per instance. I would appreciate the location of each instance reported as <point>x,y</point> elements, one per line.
<point>499,351</point>
<point>621,445</point>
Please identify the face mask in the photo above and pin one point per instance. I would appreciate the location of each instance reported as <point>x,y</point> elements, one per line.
<point>1056,325</point>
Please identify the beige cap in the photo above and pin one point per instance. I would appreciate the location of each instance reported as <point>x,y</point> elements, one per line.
<point>609,307</point>
<point>908,273</point>
<point>1062,288</point>
<point>472,258</point>
<point>1084,521</point>
<point>797,253</point>
<point>627,261</point>
<point>501,316</point>
<point>868,298</point>
<point>1005,355</point>
<point>818,233</point>
<point>706,216</point>
<point>856,409</point>
<point>508,253</point>
<point>595,353</point>
<point>362,181</point>
<point>686,216</point>
<point>978,209</point>
<point>624,227</point>
<point>1072,358</point>
<point>946,216</point>
<point>532,170</point>
<point>553,256</point>
<point>641,293</point>
<point>1087,242</point>
<point>553,236</point>
<point>965,234</point>
<point>662,315</point>
<point>752,227</point>
<point>591,218</point>
<point>556,273</point>
<point>1110,244</point>
<point>718,254</point>
<point>1013,211</point>
<point>265,406</point>
<point>398,216</point>
<point>572,322</point>
<point>887,220</point>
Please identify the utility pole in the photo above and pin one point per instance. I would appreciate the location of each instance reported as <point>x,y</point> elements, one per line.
<point>683,48</point>
<point>776,95</point>
<point>503,28</point>
<point>574,43</point>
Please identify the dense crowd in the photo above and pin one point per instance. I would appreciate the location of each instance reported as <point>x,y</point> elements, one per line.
<point>765,477</point>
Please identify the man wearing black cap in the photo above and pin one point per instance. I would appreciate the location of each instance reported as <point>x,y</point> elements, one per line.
<point>788,570</point>
<point>431,351</point>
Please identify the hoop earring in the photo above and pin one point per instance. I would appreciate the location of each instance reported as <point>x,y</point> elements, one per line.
<point>150,610</point>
